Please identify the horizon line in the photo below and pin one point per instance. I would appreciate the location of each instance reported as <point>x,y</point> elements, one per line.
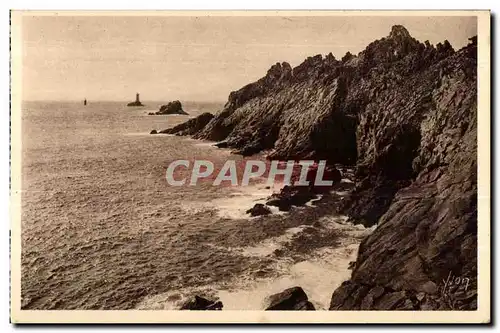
<point>121,101</point>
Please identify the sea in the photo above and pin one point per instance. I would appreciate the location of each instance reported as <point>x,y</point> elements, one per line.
<point>102,228</point>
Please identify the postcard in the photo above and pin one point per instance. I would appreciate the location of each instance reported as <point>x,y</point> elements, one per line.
<point>250,167</point>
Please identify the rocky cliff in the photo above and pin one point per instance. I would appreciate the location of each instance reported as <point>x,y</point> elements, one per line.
<point>404,113</point>
<point>417,172</point>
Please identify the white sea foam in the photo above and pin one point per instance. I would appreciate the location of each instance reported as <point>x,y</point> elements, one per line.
<point>312,202</point>
<point>341,193</point>
<point>238,200</point>
<point>270,245</point>
<point>319,275</point>
<point>209,144</point>
<point>242,199</point>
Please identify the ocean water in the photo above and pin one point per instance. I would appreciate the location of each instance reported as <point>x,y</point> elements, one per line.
<point>102,229</point>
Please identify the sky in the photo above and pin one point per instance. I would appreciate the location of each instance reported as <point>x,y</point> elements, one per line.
<point>193,58</point>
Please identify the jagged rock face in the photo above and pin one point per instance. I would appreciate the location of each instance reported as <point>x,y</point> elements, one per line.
<point>404,113</point>
<point>303,104</point>
<point>312,110</point>
<point>298,195</point>
<point>191,126</point>
<point>427,229</point>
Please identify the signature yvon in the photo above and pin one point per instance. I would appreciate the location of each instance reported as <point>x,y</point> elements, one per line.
<point>453,283</point>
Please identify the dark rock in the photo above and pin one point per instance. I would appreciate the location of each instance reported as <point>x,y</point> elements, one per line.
<point>135,104</point>
<point>349,295</point>
<point>200,303</point>
<point>390,301</point>
<point>304,306</point>
<point>291,196</point>
<point>174,107</point>
<point>283,205</point>
<point>297,195</point>
<point>191,126</point>
<point>330,174</point>
<point>279,252</point>
<point>420,296</point>
<point>258,209</point>
<point>417,172</point>
<point>373,295</point>
<point>290,299</point>
<point>348,56</point>
<point>222,144</point>
<point>343,295</point>
<point>153,132</point>
<point>215,306</point>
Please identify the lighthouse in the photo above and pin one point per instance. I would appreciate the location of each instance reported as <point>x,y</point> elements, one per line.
<point>137,101</point>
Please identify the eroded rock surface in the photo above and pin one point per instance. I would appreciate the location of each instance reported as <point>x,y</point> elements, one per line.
<point>417,177</point>
<point>404,113</point>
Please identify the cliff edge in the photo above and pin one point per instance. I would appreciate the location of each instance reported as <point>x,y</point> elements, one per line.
<point>404,113</point>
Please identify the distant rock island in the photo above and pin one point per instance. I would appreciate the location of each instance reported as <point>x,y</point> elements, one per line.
<point>137,101</point>
<point>174,107</point>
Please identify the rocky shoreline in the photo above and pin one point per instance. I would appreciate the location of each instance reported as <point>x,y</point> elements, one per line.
<point>404,114</point>
<point>290,299</point>
<point>190,127</point>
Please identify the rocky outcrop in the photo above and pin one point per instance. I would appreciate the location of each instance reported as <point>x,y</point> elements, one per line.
<point>294,114</point>
<point>258,209</point>
<point>174,107</point>
<point>136,103</point>
<point>201,303</point>
<point>290,299</point>
<point>191,126</point>
<point>404,113</point>
<point>291,196</point>
<point>299,195</point>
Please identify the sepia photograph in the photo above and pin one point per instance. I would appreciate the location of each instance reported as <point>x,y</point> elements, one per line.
<point>265,167</point>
